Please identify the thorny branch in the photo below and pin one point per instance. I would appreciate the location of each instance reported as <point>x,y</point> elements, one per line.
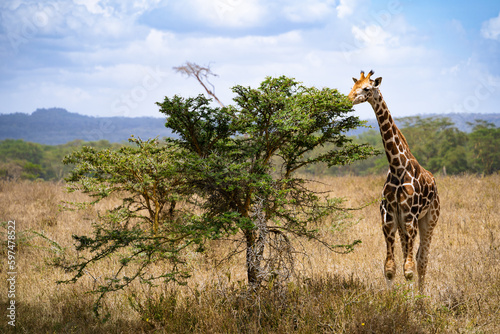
<point>201,74</point>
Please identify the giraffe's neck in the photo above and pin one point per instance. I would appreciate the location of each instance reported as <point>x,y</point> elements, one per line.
<point>395,145</point>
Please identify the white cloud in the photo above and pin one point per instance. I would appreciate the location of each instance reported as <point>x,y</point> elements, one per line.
<point>346,8</point>
<point>374,35</point>
<point>86,23</point>
<point>308,11</point>
<point>228,13</point>
<point>453,70</point>
<point>93,6</point>
<point>491,28</point>
<point>118,8</point>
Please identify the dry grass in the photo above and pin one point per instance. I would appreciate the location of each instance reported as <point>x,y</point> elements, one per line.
<point>335,294</point>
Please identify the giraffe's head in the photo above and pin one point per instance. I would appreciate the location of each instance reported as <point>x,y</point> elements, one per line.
<point>364,88</point>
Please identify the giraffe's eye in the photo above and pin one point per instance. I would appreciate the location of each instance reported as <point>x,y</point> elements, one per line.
<point>366,89</point>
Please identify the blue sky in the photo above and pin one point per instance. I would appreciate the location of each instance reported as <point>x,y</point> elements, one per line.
<point>115,58</point>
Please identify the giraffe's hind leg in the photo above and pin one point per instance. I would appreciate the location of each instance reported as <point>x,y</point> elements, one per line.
<point>404,241</point>
<point>426,226</point>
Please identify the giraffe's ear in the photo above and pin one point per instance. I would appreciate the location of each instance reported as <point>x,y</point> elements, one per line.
<point>378,81</point>
<point>355,80</point>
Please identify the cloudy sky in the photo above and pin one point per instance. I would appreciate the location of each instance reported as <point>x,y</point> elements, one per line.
<point>115,58</point>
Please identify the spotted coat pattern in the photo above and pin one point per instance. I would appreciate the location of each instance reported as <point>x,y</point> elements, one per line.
<point>410,204</point>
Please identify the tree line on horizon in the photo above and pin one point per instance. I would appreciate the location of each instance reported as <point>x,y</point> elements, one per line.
<point>437,144</point>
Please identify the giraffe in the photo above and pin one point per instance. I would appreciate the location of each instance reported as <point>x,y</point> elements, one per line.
<point>410,203</point>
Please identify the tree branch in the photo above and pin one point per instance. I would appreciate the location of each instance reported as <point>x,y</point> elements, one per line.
<point>201,74</point>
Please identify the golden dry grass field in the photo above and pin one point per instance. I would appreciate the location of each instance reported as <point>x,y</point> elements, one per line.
<point>334,294</point>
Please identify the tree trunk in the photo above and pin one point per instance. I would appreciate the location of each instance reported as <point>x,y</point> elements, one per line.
<point>256,240</point>
<point>253,262</point>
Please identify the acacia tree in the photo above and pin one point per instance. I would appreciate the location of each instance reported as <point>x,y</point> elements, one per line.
<point>233,168</point>
<point>484,141</point>
<point>244,160</point>
<point>146,227</point>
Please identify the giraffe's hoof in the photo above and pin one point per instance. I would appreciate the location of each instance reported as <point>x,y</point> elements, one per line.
<point>389,269</point>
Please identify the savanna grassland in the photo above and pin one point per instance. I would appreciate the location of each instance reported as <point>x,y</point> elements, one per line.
<point>331,293</point>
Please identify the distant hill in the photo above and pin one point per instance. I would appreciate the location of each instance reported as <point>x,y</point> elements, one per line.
<point>57,126</point>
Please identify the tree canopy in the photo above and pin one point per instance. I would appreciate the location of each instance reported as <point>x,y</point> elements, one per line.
<point>244,158</point>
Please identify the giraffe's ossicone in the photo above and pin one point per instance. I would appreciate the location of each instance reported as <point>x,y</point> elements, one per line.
<point>410,203</point>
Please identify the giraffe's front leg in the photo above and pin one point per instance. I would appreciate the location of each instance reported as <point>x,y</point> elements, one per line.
<point>411,233</point>
<point>389,228</point>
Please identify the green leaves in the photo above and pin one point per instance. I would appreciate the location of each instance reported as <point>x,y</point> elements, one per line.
<point>199,126</point>
<point>147,226</point>
<point>484,143</point>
